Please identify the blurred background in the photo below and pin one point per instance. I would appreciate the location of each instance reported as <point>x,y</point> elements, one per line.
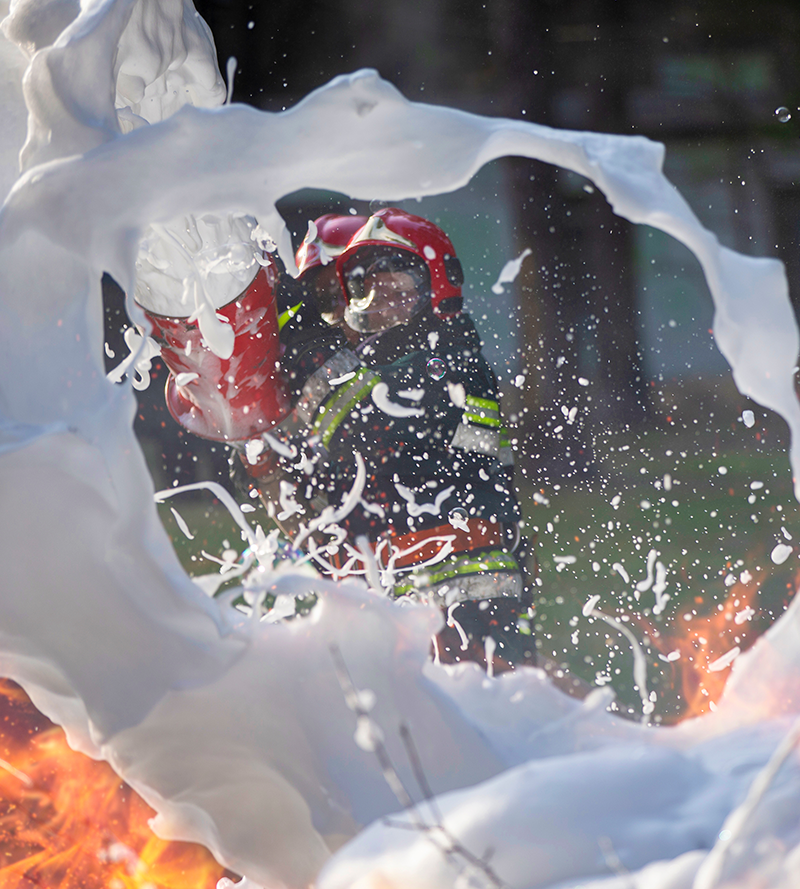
<point>646,479</point>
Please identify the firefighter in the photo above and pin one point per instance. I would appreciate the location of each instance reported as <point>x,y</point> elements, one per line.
<point>391,459</point>
<point>401,435</point>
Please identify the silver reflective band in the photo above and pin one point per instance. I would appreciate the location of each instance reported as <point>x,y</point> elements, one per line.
<point>492,585</point>
<point>318,387</point>
<point>477,440</point>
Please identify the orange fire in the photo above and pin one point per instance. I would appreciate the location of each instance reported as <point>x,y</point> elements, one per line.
<point>701,647</point>
<point>68,822</point>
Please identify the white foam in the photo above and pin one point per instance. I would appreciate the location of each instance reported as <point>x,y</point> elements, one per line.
<point>780,553</point>
<point>509,272</point>
<point>180,692</point>
<point>380,395</point>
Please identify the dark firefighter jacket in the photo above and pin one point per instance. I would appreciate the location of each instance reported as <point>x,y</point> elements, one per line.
<point>419,405</point>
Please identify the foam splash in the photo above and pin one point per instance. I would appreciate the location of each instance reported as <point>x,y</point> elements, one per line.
<point>236,731</point>
<point>508,274</point>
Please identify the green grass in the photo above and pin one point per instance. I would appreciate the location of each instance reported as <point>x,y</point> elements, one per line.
<point>682,488</point>
<point>708,526</point>
<point>211,526</point>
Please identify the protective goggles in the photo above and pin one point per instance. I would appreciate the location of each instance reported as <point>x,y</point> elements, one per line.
<point>372,261</point>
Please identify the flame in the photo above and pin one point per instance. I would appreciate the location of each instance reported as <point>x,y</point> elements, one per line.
<point>68,822</point>
<point>701,647</point>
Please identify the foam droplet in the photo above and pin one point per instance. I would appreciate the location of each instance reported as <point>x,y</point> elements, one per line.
<point>458,518</point>
<point>781,553</point>
<point>588,607</point>
<point>436,368</point>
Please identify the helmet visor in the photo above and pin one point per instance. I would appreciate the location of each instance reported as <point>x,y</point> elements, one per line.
<point>385,287</point>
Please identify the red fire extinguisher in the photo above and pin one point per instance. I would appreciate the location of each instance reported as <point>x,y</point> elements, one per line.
<point>231,399</point>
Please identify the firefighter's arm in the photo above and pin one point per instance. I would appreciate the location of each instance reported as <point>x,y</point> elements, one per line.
<point>277,463</point>
<point>285,490</point>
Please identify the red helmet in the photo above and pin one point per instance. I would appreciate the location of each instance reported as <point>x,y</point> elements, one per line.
<point>326,240</point>
<point>396,228</point>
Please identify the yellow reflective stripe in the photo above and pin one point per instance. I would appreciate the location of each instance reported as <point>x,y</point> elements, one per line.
<point>337,419</point>
<point>494,561</point>
<point>339,395</point>
<point>403,589</point>
<point>332,413</point>
<point>459,565</point>
<point>287,316</point>
<point>482,411</point>
<point>482,420</point>
<point>483,403</point>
